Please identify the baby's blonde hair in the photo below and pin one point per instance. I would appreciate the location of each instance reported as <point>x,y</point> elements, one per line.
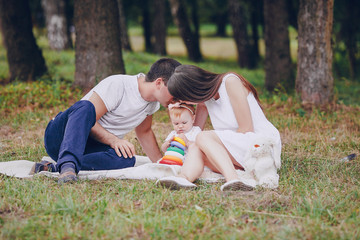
<point>177,111</point>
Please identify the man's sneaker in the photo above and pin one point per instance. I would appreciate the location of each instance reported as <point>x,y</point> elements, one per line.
<point>67,177</point>
<point>67,173</point>
<point>236,185</point>
<point>42,166</point>
<point>175,183</point>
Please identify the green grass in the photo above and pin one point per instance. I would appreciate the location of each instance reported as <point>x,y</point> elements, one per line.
<point>318,197</point>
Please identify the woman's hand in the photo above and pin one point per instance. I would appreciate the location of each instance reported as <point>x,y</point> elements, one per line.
<point>123,148</point>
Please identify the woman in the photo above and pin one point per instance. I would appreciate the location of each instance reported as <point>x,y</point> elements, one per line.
<point>237,118</point>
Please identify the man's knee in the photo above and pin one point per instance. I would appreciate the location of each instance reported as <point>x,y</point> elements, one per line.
<point>85,108</point>
<point>84,105</point>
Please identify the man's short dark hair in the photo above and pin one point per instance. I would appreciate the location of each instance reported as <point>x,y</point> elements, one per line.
<point>162,68</point>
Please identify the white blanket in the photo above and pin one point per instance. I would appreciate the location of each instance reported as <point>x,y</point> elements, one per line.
<point>143,169</point>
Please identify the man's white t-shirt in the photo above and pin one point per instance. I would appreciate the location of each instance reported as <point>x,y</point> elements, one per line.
<point>126,108</point>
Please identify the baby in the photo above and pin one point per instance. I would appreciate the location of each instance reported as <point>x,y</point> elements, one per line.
<point>182,117</point>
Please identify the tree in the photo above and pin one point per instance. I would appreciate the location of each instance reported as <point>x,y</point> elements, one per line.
<point>255,11</point>
<point>221,17</point>
<point>56,24</point>
<point>125,41</point>
<point>293,11</point>
<point>278,68</point>
<point>98,46</point>
<point>314,81</point>
<point>159,27</point>
<point>238,20</point>
<point>25,59</point>
<point>146,23</point>
<point>189,37</point>
<point>37,14</point>
<point>347,16</point>
<point>214,11</point>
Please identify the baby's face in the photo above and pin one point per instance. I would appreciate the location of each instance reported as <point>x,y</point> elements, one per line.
<point>184,123</point>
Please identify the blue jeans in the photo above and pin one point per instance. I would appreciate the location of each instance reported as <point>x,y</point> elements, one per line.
<point>67,140</point>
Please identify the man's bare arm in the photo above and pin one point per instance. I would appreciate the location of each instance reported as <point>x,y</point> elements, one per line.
<point>147,139</point>
<point>100,134</point>
<point>201,115</point>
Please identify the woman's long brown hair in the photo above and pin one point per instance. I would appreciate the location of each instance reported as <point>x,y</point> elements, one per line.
<point>193,84</point>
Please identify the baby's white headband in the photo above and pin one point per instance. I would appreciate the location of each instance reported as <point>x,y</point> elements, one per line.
<point>179,105</point>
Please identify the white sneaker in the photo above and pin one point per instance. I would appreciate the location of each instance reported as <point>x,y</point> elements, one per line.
<point>236,185</point>
<point>175,183</point>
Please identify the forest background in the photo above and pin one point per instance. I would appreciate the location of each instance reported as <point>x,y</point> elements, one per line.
<point>318,196</point>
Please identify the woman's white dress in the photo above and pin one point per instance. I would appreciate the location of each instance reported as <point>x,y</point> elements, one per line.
<point>225,125</point>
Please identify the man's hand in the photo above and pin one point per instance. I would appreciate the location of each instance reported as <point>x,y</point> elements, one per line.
<point>123,148</point>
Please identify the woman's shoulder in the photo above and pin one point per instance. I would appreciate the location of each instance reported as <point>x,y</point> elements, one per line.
<point>230,75</point>
<point>234,84</point>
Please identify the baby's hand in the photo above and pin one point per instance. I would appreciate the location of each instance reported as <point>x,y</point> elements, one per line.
<point>165,145</point>
<point>183,137</point>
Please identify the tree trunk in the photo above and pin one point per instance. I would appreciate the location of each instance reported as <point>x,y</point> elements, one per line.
<point>349,32</point>
<point>98,46</point>
<point>219,16</point>
<point>159,27</point>
<point>254,19</point>
<point>56,24</point>
<point>146,23</point>
<point>191,39</point>
<point>238,22</point>
<point>314,81</point>
<point>293,10</point>
<point>125,41</point>
<point>278,69</point>
<point>195,18</point>
<point>221,20</point>
<point>25,59</point>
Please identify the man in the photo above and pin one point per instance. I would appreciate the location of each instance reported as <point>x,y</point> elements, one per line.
<point>89,135</point>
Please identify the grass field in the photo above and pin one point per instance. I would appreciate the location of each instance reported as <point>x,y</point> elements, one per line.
<point>318,196</point>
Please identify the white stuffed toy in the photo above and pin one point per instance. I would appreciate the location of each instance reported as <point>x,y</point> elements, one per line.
<point>262,162</point>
